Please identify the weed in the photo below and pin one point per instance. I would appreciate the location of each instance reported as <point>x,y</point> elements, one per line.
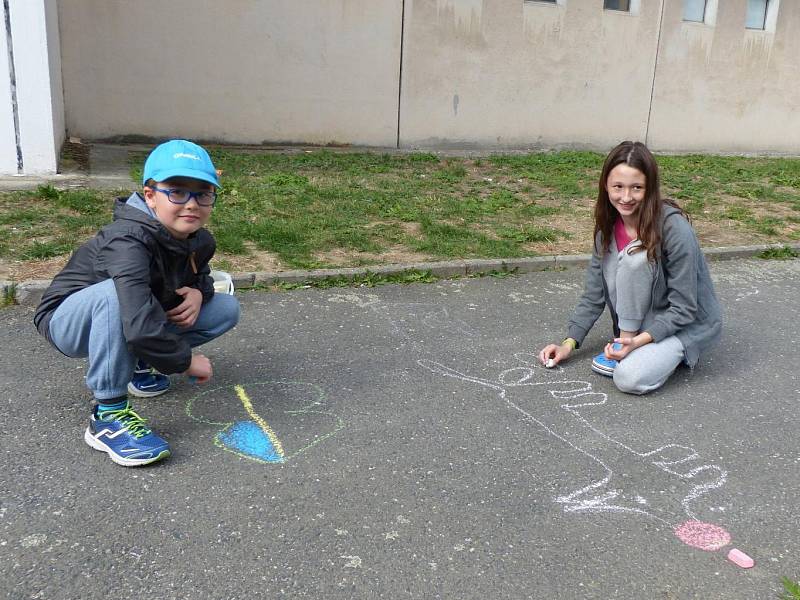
<point>222,264</point>
<point>738,213</point>
<point>782,253</point>
<point>423,157</point>
<point>47,192</point>
<point>303,207</point>
<point>85,202</point>
<point>40,250</point>
<point>502,274</point>
<point>369,279</point>
<point>792,589</point>
<point>528,234</point>
<point>9,295</point>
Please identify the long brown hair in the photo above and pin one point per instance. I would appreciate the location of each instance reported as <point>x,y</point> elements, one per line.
<point>637,156</point>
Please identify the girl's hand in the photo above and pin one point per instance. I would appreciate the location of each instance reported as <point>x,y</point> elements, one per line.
<point>554,353</point>
<point>186,313</point>
<point>622,346</point>
<point>619,348</point>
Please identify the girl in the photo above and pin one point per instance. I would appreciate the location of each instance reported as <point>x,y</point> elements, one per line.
<point>647,267</point>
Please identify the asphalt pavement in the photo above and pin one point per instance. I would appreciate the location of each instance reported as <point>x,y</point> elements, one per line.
<point>402,442</point>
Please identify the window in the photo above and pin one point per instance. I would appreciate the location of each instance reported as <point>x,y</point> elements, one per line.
<point>700,11</point>
<point>756,14</point>
<point>617,5</point>
<point>694,10</point>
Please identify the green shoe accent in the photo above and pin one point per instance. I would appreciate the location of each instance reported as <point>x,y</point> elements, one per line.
<point>135,424</point>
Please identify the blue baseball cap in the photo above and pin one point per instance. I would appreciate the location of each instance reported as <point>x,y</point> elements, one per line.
<point>179,158</point>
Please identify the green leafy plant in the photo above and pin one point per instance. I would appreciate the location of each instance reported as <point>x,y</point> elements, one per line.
<point>47,192</point>
<point>325,208</point>
<point>9,295</point>
<point>792,589</point>
<point>369,279</point>
<point>502,274</point>
<point>782,253</point>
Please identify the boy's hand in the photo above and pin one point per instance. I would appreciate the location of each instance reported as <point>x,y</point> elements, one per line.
<point>200,368</point>
<point>186,313</point>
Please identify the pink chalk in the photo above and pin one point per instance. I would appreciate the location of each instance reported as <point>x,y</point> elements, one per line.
<point>738,557</point>
<point>705,536</point>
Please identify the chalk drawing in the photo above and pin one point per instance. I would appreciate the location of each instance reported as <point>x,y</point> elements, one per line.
<point>405,317</point>
<point>288,420</point>
<point>745,294</point>
<point>748,273</point>
<point>652,473</point>
<point>353,562</point>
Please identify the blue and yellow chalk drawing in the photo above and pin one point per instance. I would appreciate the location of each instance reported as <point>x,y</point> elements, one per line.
<point>254,438</point>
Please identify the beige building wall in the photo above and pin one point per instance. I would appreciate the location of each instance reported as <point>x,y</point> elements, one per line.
<point>509,73</point>
<point>250,71</point>
<point>487,74</point>
<point>727,88</point>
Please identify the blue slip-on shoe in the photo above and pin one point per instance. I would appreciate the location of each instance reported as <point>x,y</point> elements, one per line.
<point>605,366</point>
<point>147,382</point>
<point>123,435</point>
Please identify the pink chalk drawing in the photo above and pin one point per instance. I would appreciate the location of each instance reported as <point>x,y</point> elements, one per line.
<point>651,476</point>
<point>705,536</point>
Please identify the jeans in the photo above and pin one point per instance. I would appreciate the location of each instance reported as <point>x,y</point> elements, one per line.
<point>630,281</point>
<point>648,367</point>
<point>88,324</point>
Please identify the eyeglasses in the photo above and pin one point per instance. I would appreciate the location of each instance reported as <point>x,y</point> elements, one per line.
<point>178,196</point>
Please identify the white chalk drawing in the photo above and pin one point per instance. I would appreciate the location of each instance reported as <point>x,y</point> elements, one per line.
<point>405,318</point>
<point>649,490</point>
<point>745,293</point>
<point>749,273</point>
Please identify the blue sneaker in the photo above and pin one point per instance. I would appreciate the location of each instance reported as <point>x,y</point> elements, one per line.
<point>123,435</point>
<point>147,382</point>
<point>605,366</point>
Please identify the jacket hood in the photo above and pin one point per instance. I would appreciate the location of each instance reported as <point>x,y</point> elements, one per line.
<point>134,208</point>
<point>667,210</point>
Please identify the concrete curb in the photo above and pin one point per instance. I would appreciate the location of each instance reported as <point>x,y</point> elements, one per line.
<point>29,293</point>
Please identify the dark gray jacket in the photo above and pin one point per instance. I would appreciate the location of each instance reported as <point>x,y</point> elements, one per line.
<point>147,265</point>
<point>683,300</point>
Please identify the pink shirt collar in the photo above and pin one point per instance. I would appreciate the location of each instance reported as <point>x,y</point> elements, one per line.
<point>620,235</point>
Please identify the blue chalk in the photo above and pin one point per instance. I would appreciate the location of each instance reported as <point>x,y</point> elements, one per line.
<point>247,438</point>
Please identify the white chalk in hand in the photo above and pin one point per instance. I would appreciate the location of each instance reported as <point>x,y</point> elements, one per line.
<point>550,363</point>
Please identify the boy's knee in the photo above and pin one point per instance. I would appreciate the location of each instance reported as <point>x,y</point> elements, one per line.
<point>102,302</point>
<point>231,311</point>
<point>629,380</point>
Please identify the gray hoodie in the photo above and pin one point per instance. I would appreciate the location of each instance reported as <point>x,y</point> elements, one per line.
<point>683,300</point>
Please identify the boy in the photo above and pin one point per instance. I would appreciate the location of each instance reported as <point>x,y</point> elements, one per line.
<point>137,297</point>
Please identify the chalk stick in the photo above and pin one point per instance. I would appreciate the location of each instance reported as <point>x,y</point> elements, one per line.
<point>550,363</point>
<point>738,557</point>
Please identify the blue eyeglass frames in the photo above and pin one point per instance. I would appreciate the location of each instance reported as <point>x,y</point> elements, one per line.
<point>177,196</point>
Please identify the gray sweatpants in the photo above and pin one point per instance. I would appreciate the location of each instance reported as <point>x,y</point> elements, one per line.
<point>629,277</point>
